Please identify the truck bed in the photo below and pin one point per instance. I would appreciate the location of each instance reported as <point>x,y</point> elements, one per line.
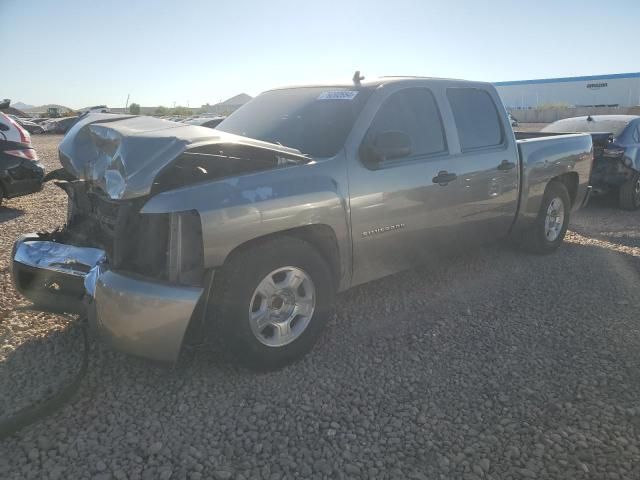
<point>599,139</point>
<point>544,156</point>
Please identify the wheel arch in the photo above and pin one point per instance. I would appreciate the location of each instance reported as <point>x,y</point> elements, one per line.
<point>320,236</point>
<point>570,180</point>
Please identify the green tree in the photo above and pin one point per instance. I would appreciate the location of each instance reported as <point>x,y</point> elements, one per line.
<point>549,106</point>
<point>180,110</point>
<point>161,111</point>
<point>134,109</point>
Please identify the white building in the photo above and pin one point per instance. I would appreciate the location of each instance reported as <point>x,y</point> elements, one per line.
<point>616,90</point>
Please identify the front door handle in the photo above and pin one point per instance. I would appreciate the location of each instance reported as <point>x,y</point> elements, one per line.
<point>444,178</point>
<point>506,165</point>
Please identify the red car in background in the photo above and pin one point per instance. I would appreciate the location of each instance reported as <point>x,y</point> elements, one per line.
<point>20,171</point>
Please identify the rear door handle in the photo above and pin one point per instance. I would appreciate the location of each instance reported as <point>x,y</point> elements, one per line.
<point>506,165</point>
<point>444,178</point>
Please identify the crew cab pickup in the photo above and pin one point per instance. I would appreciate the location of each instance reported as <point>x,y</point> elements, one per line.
<point>301,193</point>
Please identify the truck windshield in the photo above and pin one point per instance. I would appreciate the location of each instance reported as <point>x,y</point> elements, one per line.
<point>575,125</point>
<point>313,120</point>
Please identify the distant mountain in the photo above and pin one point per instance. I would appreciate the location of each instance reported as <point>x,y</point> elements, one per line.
<point>21,106</point>
<point>240,99</point>
<point>43,108</point>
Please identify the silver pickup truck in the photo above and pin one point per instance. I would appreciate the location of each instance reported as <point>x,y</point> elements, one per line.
<point>303,192</point>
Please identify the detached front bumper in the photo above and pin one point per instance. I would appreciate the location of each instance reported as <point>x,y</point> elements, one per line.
<point>132,314</point>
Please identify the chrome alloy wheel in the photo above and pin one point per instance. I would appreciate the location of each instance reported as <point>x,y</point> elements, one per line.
<point>554,219</point>
<point>282,306</point>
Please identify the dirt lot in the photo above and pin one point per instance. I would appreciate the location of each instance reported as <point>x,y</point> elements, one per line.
<point>498,365</point>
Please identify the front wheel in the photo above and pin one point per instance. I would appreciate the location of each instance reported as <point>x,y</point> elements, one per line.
<point>550,227</point>
<point>629,194</point>
<point>273,301</point>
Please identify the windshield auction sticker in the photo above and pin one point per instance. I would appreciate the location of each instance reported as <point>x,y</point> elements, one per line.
<point>338,95</point>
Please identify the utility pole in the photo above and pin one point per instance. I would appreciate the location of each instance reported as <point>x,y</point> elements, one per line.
<point>126,105</point>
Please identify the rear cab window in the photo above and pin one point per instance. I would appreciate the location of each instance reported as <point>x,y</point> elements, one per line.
<point>412,111</point>
<point>477,119</point>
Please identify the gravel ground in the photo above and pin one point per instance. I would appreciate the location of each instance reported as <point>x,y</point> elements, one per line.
<point>27,337</point>
<point>497,365</point>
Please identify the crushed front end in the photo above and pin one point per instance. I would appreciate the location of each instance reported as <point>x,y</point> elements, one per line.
<point>137,277</point>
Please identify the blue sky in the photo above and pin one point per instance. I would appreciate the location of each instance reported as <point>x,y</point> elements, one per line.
<point>79,53</point>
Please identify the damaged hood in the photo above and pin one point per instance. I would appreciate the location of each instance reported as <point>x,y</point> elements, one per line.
<point>123,154</point>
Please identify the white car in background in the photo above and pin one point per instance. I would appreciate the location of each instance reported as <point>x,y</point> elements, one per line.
<point>95,109</point>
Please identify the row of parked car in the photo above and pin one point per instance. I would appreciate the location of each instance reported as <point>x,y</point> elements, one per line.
<point>45,125</point>
<point>63,124</point>
<point>200,120</point>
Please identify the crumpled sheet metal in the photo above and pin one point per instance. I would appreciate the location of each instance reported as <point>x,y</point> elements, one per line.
<point>91,278</point>
<point>123,154</point>
<point>57,257</point>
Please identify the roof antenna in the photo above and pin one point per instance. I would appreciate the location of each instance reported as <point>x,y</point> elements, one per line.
<point>357,78</point>
<point>589,118</point>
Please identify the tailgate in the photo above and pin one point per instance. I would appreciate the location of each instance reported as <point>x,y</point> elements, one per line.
<point>550,156</point>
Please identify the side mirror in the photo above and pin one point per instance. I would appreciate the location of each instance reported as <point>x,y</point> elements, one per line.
<point>3,127</point>
<point>386,146</point>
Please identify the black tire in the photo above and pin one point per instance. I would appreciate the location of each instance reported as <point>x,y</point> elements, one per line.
<point>536,239</point>
<point>233,291</point>
<point>629,193</point>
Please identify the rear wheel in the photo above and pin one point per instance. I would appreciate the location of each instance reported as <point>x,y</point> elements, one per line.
<point>272,302</point>
<point>552,221</point>
<point>629,194</point>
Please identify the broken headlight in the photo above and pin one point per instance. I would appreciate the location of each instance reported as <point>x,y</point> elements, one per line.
<point>185,256</point>
<point>164,246</point>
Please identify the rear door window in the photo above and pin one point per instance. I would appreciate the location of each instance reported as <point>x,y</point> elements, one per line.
<point>476,118</point>
<point>414,112</point>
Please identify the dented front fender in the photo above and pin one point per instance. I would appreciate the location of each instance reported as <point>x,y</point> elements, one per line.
<point>236,210</point>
